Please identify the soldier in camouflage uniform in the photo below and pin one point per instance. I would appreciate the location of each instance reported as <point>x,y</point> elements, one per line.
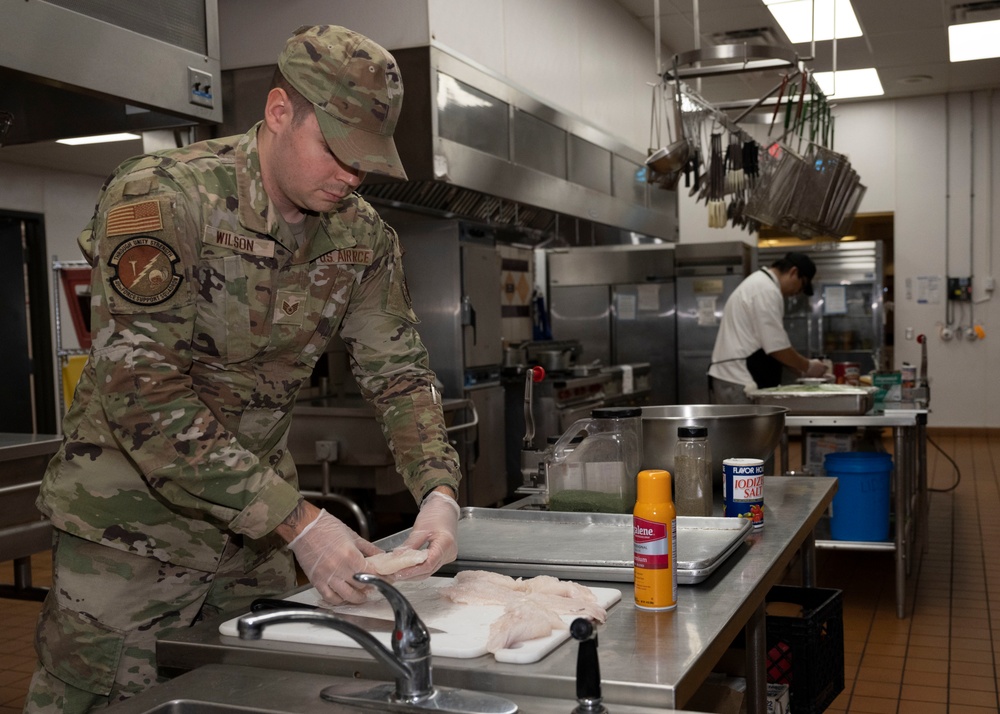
<point>221,272</point>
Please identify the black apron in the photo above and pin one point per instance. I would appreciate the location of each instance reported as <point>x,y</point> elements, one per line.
<point>765,369</point>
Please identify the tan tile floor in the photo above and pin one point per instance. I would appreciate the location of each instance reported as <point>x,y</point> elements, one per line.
<point>941,659</point>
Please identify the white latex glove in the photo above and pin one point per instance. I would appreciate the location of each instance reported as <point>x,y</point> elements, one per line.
<point>816,368</point>
<point>437,527</point>
<point>330,554</point>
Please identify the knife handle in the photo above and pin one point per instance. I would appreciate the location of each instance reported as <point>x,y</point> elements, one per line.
<point>588,670</point>
<point>272,603</point>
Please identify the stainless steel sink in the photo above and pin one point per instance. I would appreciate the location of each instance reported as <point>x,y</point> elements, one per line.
<point>232,689</point>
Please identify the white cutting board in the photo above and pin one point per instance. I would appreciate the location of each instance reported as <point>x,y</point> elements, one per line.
<point>465,628</point>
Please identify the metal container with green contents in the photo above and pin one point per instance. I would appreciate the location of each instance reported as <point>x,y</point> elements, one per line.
<point>597,473</point>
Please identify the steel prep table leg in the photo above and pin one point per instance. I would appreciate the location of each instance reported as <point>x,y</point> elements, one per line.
<point>902,478</point>
<point>755,632</point>
<point>923,502</point>
<point>808,552</point>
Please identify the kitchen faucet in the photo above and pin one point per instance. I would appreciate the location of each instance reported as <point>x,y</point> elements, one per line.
<point>409,660</point>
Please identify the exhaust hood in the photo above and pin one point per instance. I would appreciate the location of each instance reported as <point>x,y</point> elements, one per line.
<point>82,67</point>
<point>477,148</point>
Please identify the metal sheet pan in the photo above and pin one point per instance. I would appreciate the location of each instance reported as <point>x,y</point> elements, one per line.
<point>580,546</point>
<point>834,400</point>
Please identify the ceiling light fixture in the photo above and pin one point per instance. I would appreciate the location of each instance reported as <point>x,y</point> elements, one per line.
<point>850,83</point>
<point>973,41</point>
<point>99,139</point>
<point>796,19</point>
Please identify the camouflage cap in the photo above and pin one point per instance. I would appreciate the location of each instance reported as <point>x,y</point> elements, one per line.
<point>357,90</point>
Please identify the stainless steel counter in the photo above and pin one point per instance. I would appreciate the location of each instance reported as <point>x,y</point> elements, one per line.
<point>646,659</point>
<point>908,422</point>
<point>23,530</point>
<point>224,689</point>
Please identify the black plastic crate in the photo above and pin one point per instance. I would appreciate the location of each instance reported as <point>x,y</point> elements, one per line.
<point>807,652</point>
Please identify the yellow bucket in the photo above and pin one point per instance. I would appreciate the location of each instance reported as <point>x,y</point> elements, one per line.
<point>71,372</point>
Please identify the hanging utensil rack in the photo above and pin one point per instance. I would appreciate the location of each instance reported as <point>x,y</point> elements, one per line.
<point>810,193</point>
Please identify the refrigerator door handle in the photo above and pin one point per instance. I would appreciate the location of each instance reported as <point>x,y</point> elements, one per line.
<point>469,315</point>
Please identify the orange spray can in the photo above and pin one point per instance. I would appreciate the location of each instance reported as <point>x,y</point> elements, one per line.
<point>654,533</point>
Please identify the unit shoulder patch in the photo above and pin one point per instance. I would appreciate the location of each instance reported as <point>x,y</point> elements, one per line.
<point>145,270</point>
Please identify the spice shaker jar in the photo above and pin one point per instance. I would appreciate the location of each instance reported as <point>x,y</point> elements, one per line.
<point>692,472</point>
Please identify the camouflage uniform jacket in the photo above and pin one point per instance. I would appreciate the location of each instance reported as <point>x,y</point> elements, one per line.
<point>206,320</point>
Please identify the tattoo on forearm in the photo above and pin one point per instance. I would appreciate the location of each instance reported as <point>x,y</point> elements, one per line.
<point>297,515</point>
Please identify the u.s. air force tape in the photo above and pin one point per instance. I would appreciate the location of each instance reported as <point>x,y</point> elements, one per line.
<point>145,270</point>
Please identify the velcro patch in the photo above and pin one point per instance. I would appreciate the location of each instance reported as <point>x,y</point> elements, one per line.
<point>134,218</point>
<point>344,256</point>
<point>240,243</point>
<point>145,270</point>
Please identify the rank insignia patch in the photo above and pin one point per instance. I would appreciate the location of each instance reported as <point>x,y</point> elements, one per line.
<point>289,307</point>
<point>145,270</point>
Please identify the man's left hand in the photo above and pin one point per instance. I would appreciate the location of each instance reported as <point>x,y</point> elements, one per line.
<point>436,526</point>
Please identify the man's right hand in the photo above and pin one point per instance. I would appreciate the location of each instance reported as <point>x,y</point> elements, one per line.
<point>330,554</point>
<point>816,368</point>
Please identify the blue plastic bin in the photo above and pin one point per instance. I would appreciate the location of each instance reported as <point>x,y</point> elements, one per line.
<point>861,504</point>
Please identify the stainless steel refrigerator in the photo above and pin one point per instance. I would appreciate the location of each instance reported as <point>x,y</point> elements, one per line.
<point>453,272</point>
<point>844,320</point>
<point>707,274</point>
<point>618,302</point>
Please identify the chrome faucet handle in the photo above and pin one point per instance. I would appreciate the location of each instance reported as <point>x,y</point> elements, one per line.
<point>411,642</point>
<point>251,627</point>
<point>410,661</point>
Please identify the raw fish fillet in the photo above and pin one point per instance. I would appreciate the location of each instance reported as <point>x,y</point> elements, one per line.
<point>396,560</point>
<point>548,585</point>
<point>481,587</point>
<point>520,623</point>
<point>567,606</point>
<point>486,577</point>
<point>481,592</point>
<point>532,607</point>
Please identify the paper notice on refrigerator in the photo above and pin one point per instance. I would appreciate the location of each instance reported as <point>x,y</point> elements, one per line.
<point>834,299</point>
<point>649,297</point>
<point>626,306</point>
<point>706,311</point>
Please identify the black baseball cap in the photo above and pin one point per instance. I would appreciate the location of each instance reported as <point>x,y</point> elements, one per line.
<point>806,268</point>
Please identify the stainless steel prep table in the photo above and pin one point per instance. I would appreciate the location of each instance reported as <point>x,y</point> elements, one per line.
<point>23,530</point>
<point>646,658</point>
<point>909,483</point>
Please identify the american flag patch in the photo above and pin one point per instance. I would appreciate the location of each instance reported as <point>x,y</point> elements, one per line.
<point>134,218</point>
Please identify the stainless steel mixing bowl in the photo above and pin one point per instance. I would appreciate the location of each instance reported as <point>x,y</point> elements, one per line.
<point>734,431</point>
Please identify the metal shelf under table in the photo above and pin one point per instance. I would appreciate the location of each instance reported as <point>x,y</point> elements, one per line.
<point>908,481</point>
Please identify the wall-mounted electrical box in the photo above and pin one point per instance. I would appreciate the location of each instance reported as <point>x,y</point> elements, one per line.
<point>960,289</point>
